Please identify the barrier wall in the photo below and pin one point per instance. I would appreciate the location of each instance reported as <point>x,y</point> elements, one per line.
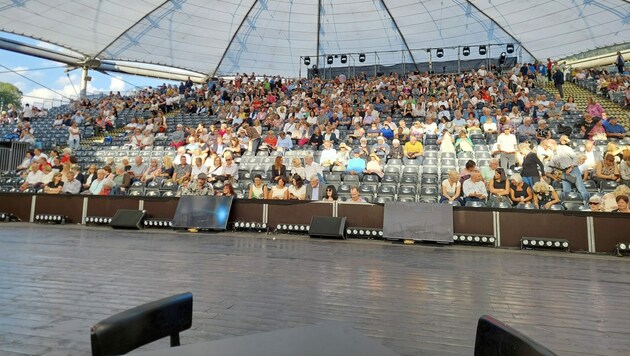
<point>589,232</point>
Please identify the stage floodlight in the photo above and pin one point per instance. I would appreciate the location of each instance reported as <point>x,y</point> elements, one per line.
<point>344,59</point>
<point>482,50</point>
<point>330,59</point>
<point>502,58</point>
<point>439,53</point>
<point>362,57</point>
<point>307,61</point>
<point>466,51</point>
<point>510,48</point>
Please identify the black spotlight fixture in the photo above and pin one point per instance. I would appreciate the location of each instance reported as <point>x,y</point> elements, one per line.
<point>502,58</point>
<point>329,59</point>
<point>510,48</point>
<point>466,51</point>
<point>307,61</point>
<point>482,50</point>
<point>439,53</point>
<point>344,59</point>
<point>362,57</point>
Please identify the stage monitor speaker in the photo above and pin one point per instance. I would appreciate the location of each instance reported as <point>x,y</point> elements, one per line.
<point>128,219</point>
<point>327,226</point>
<point>496,338</point>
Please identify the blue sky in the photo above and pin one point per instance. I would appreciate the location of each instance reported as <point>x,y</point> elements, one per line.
<point>64,84</point>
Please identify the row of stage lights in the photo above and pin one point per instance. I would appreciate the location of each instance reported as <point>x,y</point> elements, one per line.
<point>50,219</point>
<point>623,248</point>
<point>544,243</point>
<point>474,239</point>
<point>439,52</point>
<point>97,220</point>
<point>249,225</point>
<point>292,228</point>
<point>6,217</point>
<point>364,232</point>
<point>158,223</point>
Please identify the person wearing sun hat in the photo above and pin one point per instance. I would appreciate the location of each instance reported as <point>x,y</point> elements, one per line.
<point>374,166</point>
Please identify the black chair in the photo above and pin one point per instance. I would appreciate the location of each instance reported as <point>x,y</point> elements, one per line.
<point>141,325</point>
<point>496,338</point>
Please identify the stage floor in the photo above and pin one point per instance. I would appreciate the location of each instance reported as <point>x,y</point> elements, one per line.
<point>56,281</point>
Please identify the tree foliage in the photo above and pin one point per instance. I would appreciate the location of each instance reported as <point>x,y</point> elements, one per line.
<point>9,94</point>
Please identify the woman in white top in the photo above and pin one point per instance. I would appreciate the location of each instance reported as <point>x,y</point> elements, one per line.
<point>489,127</point>
<point>297,189</point>
<point>297,168</point>
<point>451,189</point>
<point>258,190</point>
<point>280,190</point>
<point>74,137</point>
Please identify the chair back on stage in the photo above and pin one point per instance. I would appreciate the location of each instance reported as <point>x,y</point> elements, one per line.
<point>126,331</point>
<point>495,338</point>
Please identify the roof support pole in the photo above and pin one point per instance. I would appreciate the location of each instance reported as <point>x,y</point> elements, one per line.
<point>85,78</point>
<point>319,28</point>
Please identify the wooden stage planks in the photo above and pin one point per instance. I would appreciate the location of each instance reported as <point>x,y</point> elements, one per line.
<point>56,281</point>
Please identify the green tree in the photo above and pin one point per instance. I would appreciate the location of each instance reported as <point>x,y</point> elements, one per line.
<point>9,94</point>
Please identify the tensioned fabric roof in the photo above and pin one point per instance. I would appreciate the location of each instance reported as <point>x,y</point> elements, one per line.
<point>269,36</point>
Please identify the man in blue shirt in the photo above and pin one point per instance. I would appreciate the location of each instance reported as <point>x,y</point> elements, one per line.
<point>613,129</point>
<point>356,164</point>
<point>284,142</point>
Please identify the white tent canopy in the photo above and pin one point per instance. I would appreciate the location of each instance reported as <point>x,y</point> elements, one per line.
<point>224,37</point>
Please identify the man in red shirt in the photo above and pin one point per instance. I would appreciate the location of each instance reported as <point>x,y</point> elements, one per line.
<point>549,67</point>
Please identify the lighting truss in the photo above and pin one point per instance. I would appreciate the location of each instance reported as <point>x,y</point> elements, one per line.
<point>543,243</point>
<point>475,239</point>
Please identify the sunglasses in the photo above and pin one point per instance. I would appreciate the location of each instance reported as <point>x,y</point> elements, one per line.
<point>593,203</point>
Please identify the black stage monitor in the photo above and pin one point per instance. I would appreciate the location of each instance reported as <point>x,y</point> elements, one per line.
<point>418,222</point>
<point>203,212</point>
<point>496,338</point>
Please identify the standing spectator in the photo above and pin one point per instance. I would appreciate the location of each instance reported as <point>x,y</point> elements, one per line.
<point>507,145</point>
<point>532,166</point>
<point>566,160</point>
<point>558,80</point>
<point>74,137</point>
<point>619,63</point>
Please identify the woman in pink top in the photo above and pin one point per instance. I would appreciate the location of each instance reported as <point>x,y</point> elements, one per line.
<point>594,108</point>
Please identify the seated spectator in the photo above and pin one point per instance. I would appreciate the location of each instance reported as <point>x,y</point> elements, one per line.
<point>624,169</point>
<point>258,190</point>
<point>312,168</point>
<point>315,190</point>
<point>280,190</point>
<point>413,150</point>
<point>284,143</point>
<point>72,185</point>
<point>490,127</point>
<point>26,162</point>
<point>32,178</point>
<point>545,196</point>
<point>595,203</point>
<point>543,132</point>
<point>317,139</point>
<point>278,170</point>
<point>343,155</point>
<point>121,180</point>
<point>355,196</point>
<point>452,189</point>
<point>97,186</point>
<point>178,137</point>
<point>373,167</point>
<point>184,186</point>
<point>227,190</point>
<point>330,194</point>
<point>507,146</point>
<point>622,204</point>
<point>613,129</point>
<point>606,170</point>
<point>356,164</point>
<point>329,155</point>
<point>499,187</point>
<point>469,169</point>
<point>201,187</point>
<point>297,190</point>
<point>270,142</point>
<point>597,132</point>
<point>463,143</point>
<point>570,106</point>
<point>526,131</point>
<point>198,168</point>
<point>474,188</point>
<point>183,169</point>
<point>235,148</point>
<point>381,148</point>
<point>396,151</point>
<point>229,170</point>
<point>520,193</point>
<point>138,168</point>
<point>55,185</point>
<point>609,202</point>
<point>373,131</point>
